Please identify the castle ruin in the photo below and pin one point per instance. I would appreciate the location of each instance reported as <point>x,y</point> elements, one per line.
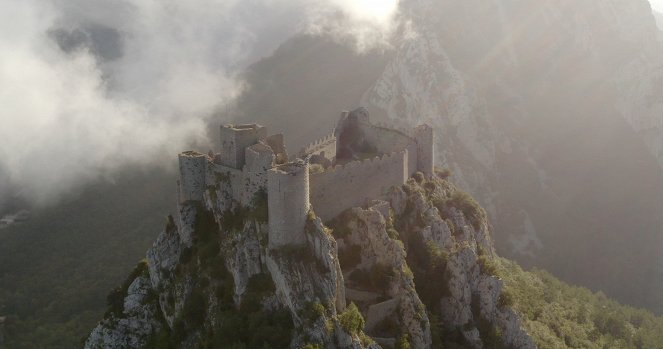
<point>358,162</point>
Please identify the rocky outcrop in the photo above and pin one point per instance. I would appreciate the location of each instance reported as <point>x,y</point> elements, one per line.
<point>134,326</point>
<point>211,274</point>
<point>451,231</point>
<point>513,90</point>
<point>367,232</point>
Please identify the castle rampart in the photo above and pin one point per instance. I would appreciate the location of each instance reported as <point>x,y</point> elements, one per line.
<point>353,184</point>
<point>250,161</point>
<point>288,203</point>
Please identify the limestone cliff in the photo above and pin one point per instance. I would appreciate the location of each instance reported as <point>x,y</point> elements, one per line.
<point>413,269</point>
<point>531,102</point>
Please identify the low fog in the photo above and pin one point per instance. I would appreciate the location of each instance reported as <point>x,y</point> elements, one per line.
<point>87,87</point>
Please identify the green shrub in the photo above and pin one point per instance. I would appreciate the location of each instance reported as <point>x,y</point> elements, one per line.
<point>403,342</point>
<point>312,346</point>
<point>115,299</point>
<point>315,168</point>
<point>351,320</point>
<point>313,311</point>
<point>506,299</point>
<point>442,173</point>
<point>470,208</point>
<point>488,266</point>
<point>419,177</point>
<point>393,234</point>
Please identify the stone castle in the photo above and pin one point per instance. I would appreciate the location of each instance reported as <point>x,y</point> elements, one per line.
<point>358,162</point>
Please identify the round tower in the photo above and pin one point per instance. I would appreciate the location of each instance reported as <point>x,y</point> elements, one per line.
<point>288,202</point>
<point>193,167</point>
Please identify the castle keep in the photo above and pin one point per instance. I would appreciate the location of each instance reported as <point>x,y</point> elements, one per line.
<point>356,163</point>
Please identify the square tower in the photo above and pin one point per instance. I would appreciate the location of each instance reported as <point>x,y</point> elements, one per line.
<point>235,139</point>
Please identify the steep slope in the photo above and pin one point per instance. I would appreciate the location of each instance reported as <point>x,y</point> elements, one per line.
<point>419,268</point>
<point>213,280</point>
<point>546,110</point>
<point>56,268</point>
<point>548,114</point>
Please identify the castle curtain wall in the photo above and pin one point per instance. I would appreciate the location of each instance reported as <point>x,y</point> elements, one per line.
<point>353,184</point>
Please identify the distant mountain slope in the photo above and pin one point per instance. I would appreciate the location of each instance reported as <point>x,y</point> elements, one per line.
<point>57,268</point>
<point>301,89</point>
<point>416,271</point>
<point>548,112</point>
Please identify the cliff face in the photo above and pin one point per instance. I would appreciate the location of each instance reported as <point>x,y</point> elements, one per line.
<point>415,268</point>
<point>543,111</point>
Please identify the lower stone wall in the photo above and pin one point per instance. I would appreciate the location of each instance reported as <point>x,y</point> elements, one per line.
<point>355,183</point>
<point>386,140</point>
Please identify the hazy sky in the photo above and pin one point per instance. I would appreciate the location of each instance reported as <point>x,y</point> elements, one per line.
<point>657,5</point>
<point>87,86</point>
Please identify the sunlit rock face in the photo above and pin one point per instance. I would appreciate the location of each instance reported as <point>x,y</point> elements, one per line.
<point>551,113</point>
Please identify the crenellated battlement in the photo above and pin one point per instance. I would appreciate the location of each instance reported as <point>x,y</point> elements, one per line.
<point>318,146</point>
<point>360,162</point>
<point>372,161</point>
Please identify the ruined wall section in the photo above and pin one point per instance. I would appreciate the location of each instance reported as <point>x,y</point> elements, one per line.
<point>277,143</point>
<point>355,183</point>
<point>288,202</point>
<point>389,139</point>
<point>386,140</point>
<point>325,147</point>
<point>192,181</point>
<point>235,139</point>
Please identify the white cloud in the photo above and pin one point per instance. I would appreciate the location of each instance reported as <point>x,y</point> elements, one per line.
<point>87,86</point>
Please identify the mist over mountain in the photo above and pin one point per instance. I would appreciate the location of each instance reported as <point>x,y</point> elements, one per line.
<point>91,86</point>
<point>548,112</point>
<point>659,19</point>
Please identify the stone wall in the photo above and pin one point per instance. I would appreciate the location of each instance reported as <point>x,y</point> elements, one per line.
<point>288,200</point>
<point>233,187</point>
<point>385,140</point>
<point>193,168</point>
<point>388,139</point>
<point>355,183</point>
<point>259,158</point>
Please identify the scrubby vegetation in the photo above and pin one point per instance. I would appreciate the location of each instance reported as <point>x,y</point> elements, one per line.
<point>559,315</point>
<point>247,326</point>
<point>316,168</point>
<point>115,299</point>
<point>57,268</point>
<point>351,320</point>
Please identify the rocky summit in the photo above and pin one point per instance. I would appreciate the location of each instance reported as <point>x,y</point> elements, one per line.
<point>413,266</point>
